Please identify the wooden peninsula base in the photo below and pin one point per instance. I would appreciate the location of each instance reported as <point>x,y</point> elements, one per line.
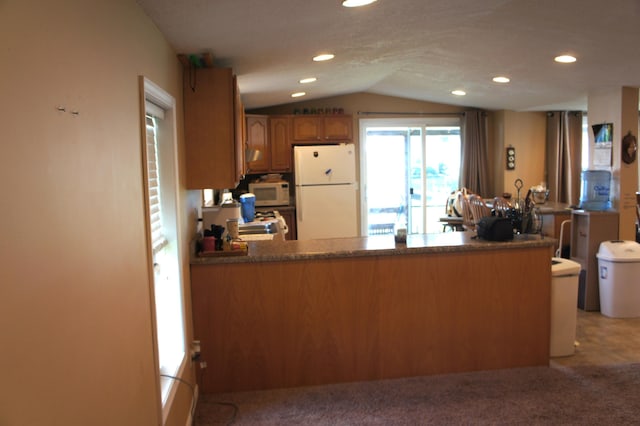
<point>336,319</point>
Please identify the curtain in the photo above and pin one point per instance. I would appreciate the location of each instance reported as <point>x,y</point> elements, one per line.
<point>564,156</point>
<point>474,173</point>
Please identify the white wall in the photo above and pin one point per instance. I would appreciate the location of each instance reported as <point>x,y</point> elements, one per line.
<point>75,321</point>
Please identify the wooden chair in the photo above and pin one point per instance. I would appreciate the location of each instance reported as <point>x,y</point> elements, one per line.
<point>479,208</point>
<point>467,217</point>
<point>501,206</point>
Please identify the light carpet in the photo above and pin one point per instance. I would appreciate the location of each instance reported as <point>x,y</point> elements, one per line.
<point>587,395</point>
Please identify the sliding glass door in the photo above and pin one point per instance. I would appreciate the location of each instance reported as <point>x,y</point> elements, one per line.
<point>408,170</point>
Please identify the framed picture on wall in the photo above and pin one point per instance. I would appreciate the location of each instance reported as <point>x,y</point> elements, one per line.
<point>603,136</point>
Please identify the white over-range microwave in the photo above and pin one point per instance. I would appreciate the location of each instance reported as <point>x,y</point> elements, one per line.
<point>270,193</point>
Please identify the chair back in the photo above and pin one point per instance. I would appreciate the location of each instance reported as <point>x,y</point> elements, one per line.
<point>501,206</point>
<point>479,208</point>
<point>467,217</point>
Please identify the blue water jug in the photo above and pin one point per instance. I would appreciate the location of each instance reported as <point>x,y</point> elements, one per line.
<point>248,207</point>
<point>596,187</point>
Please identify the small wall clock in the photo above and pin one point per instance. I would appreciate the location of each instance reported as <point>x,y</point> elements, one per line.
<point>511,158</point>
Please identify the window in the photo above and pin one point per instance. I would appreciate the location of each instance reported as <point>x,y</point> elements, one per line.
<point>162,206</point>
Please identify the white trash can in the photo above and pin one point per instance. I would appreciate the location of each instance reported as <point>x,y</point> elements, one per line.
<point>564,306</point>
<point>619,278</point>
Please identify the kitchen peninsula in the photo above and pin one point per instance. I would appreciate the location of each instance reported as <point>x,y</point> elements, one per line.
<point>296,313</point>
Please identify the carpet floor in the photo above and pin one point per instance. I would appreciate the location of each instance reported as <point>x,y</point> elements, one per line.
<point>582,395</point>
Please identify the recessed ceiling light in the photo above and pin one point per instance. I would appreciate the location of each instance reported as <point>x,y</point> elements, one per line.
<point>297,94</point>
<point>458,92</point>
<point>323,57</point>
<point>565,59</point>
<point>356,3</point>
<point>308,80</point>
<point>501,79</point>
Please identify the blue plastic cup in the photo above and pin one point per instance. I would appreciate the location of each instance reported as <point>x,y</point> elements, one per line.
<point>248,207</point>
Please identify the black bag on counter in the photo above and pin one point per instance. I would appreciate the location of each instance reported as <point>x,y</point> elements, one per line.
<point>495,228</point>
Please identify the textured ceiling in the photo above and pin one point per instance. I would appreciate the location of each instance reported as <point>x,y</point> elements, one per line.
<point>417,49</point>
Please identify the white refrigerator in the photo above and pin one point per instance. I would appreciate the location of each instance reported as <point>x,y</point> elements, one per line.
<point>325,185</point>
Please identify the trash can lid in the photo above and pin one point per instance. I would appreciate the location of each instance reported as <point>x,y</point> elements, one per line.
<point>561,267</point>
<point>619,251</point>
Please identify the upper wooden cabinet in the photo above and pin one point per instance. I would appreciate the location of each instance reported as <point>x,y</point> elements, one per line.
<point>280,141</point>
<point>258,139</point>
<point>322,128</point>
<point>272,136</point>
<point>213,127</point>
<point>241,133</point>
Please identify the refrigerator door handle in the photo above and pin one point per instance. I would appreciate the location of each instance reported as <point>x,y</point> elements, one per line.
<point>298,206</point>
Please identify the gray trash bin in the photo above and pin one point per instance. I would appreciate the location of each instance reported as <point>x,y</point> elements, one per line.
<point>564,306</point>
<point>618,278</point>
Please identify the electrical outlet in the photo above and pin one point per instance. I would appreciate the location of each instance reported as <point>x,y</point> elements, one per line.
<point>203,364</point>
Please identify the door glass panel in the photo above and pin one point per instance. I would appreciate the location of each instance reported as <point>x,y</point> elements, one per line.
<point>442,171</point>
<point>415,222</point>
<point>408,174</point>
<point>386,179</point>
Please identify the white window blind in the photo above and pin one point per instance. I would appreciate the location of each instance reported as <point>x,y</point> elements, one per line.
<point>158,239</point>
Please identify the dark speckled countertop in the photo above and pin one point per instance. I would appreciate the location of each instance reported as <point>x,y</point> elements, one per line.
<point>380,245</point>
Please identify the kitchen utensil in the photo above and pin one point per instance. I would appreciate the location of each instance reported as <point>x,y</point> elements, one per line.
<point>518,202</point>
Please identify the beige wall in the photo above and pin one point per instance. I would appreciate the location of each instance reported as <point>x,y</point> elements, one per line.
<point>361,105</point>
<point>526,132</point>
<point>75,319</point>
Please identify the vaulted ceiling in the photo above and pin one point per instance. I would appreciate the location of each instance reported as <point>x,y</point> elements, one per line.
<point>416,49</point>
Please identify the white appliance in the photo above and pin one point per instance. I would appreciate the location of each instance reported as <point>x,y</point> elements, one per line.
<point>270,193</point>
<point>325,180</point>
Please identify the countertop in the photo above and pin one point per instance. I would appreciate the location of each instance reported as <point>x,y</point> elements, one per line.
<point>289,207</point>
<point>553,207</point>
<point>378,245</point>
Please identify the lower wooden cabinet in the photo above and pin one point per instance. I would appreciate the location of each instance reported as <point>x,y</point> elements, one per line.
<point>289,216</point>
<point>588,230</point>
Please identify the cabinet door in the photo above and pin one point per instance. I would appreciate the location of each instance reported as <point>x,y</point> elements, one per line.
<point>280,141</point>
<point>588,230</point>
<point>307,128</point>
<point>241,133</point>
<point>210,129</point>
<point>258,139</point>
<point>338,128</point>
